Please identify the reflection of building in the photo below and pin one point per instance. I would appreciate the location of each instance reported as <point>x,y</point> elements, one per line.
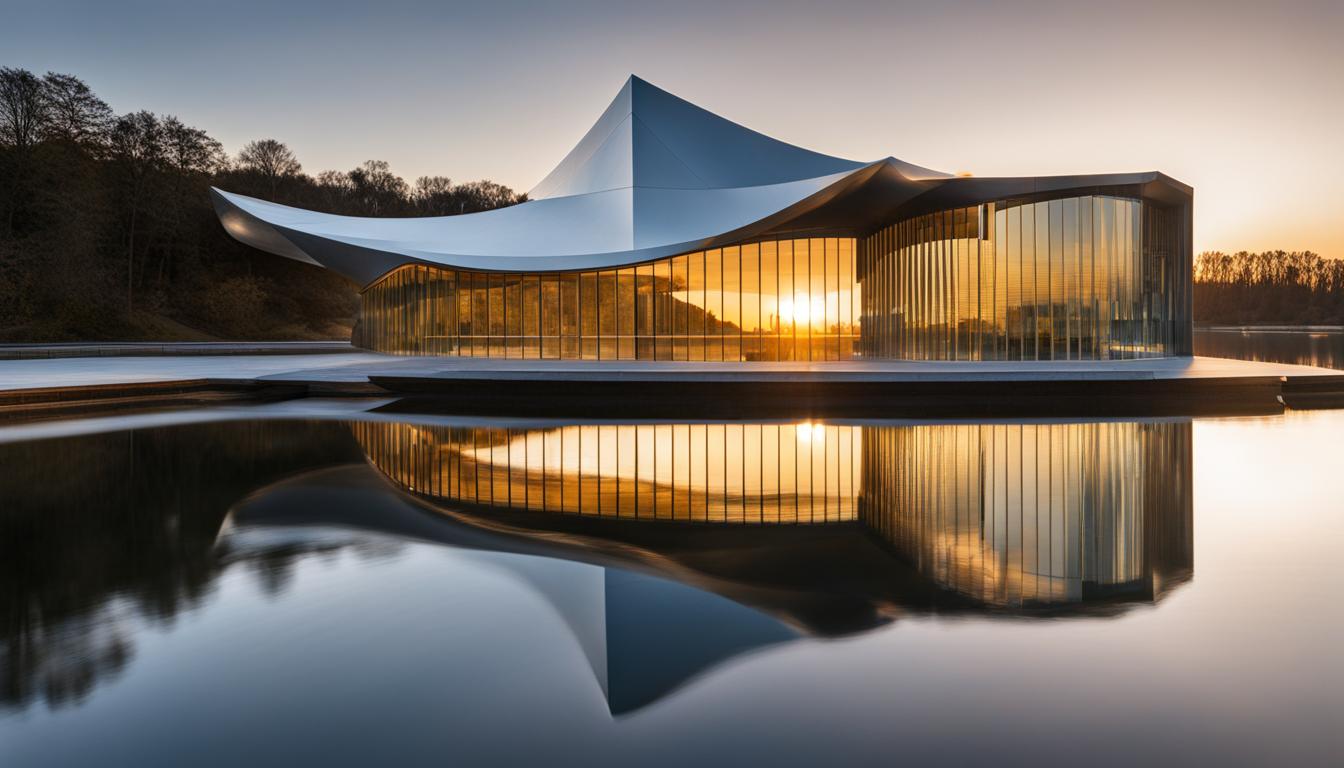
<point>707,472</point>
<point>670,233</point>
<point>1013,514</point>
<point>642,636</point>
<point>1005,514</point>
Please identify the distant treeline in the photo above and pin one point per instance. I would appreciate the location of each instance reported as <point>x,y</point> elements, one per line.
<point>107,229</point>
<point>1292,288</point>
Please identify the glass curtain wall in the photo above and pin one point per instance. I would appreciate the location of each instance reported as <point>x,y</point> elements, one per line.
<point>1063,279</point>
<point>777,300</point>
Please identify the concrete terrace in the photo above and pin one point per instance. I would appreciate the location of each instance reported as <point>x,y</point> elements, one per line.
<point>364,367</point>
<point>1168,385</point>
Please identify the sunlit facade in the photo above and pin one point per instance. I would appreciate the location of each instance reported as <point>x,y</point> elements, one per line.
<point>1005,514</point>
<point>775,300</point>
<point>1094,277</point>
<point>670,233</point>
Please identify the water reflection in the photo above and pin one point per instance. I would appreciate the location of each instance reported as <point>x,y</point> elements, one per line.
<point>1006,514</point>
<point>666,550</point>
<point>1323,348</point>
<point>105,533</point>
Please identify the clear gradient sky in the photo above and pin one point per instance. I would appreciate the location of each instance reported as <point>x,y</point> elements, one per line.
<point>1242,100</point>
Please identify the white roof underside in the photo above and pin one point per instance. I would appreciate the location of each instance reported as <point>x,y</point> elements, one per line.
<point>655,176</point>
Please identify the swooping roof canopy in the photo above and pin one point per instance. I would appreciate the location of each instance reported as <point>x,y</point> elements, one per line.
<point>654,177</point>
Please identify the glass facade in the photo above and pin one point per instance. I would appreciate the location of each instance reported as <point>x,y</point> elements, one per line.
<point>777,300</point>
<point>1059,279</point>
<point>1007,514</point>
<point>1093,277</point>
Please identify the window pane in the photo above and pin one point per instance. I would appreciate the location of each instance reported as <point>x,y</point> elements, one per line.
<point>606,315</point>
<point>695,309</point>
<point>713,305</point>
<point>588,321</point>
<point>786,300</point>
<point>644,312</point>
<point>625,313</point>
<point>751,303</point>
<point>550,316</point>
<point>679,307</point>
<point>531,311</point>
<point>732,303</point>
<point>770,301</point>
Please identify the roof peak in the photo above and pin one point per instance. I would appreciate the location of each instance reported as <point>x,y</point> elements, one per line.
<point>649,137</point>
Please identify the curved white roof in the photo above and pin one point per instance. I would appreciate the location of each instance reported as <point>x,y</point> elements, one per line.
<point>655,176</point>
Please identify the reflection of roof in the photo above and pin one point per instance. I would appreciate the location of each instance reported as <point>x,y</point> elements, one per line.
<point>643,636</point>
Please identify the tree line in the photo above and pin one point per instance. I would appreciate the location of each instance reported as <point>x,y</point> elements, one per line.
<point>107,230</point>
<point>1285,287</point>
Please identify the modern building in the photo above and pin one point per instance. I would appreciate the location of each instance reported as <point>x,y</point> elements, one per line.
<point>670,233</point>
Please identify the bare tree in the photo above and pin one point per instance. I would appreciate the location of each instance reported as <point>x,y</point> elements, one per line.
<point>377,188</point>
<point>336,189</point>
<point>23,113</point>
<point>138,146</point>
<point>433,196</point>
<point>485,196</point>
<point>189,153</point>
<point>270,158</point>
<point>74,113</point>
<point>23,108</point>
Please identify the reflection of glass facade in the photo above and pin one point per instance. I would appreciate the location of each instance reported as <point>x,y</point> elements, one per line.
<point>776,300</point>
<point>722,473</point>
<point>1080,278</point>
<point>1012,514</point>
<point>1008,514</point>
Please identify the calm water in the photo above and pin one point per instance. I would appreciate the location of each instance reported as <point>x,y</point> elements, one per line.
<point>435,590</point>
<point>1323,348</point>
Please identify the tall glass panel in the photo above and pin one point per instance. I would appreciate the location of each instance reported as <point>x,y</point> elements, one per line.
<point>644,346</point>
<point>1085,311</point>
<point>663,309</point>
<point>785,300</point>
<point>680,349</point>
<point>531,312</point>
<point>714,305</point>
<point>569,316</point>
<point>1012,270</point>
<point>1045,300</point>
<point>1031,349</point>
<point>802,300</point>
<point>695,306</point>
<point>588,320</point>
<point>606,316</point>
<point>625,313</point>
<point>752,342</point>
<point>732,303</point>
<point>550,316</point>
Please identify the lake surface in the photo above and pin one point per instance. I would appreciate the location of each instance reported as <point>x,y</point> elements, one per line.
<point>252,587</point>
<point>1296,347</point>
